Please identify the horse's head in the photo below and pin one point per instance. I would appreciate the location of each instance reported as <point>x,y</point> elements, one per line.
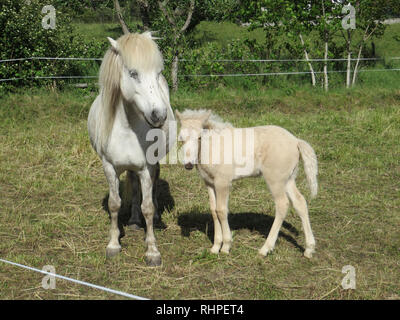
<point>140,78</point>
<point>192,125</point>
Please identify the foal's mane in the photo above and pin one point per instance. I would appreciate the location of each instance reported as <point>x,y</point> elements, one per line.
<point>135,51</point>
<point>214,121</point>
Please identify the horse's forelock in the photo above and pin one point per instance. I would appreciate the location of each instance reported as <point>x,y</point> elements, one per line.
<point>140,52</point>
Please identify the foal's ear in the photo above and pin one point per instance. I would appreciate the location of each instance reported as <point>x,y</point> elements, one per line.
<point>206,116</point>
<point>178,115</point>
<point>114,44</point>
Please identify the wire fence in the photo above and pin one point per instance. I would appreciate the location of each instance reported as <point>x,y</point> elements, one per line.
<point>55,77</point>
<point>117,292</point>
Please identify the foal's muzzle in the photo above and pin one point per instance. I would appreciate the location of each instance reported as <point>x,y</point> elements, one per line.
<point>189,166</point>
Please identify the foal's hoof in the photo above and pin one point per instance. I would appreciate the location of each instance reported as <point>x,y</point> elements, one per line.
<point>309,253</point>
<point>153,260</point>
<point>112,252</point>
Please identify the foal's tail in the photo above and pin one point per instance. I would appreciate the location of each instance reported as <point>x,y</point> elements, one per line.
<point>310,165</point>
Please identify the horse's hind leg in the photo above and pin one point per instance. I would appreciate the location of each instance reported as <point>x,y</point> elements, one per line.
<point>153,257</point>
<point>114,204</point>
<point>135,220</point>
<point>281,208</point>
<point>300,205</point>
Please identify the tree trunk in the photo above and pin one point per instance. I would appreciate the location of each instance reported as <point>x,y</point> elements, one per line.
<point>348,70</point>
<point>326,37</point>
<point>174,72</point>
<point>326,80</point>
<point>178,33</point>
<point>120,17</point>
<point>356,67</point>
<point>308,60</point>
<point>364,40</point>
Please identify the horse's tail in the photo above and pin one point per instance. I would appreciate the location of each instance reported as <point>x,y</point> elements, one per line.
<point>310,165</point>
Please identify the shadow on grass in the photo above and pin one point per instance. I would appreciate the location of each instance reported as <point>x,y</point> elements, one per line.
<point>164,200</point>
<point>259,222</point>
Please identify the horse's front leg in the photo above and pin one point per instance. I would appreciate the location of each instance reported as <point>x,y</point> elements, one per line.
<point>114,204</point>
<point>153,257</point>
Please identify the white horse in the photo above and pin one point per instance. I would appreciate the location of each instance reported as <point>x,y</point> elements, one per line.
<point>133,100</point>
<point>270,151</point>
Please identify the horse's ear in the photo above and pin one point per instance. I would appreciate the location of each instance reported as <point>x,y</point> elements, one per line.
<point>147,34</point>
<point>114,44</point>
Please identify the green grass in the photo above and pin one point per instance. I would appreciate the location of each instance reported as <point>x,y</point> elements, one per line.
<point>53,189</point>
<point>98,31</point>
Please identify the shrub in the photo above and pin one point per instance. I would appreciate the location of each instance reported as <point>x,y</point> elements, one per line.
<point>23,36</point>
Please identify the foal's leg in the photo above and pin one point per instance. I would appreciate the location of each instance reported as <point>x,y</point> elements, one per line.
<point>222,196</point>
<point>153,257</point>
<point>114,204</point>
<point>281,207</point>
<point>300,205</point>
<point>217,226</point>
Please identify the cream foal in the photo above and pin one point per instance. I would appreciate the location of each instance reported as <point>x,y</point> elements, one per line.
<point>270,151</point>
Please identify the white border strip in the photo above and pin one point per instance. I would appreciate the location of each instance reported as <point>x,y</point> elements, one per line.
<point>127,295</point>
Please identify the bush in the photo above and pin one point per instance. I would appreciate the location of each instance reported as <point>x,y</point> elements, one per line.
<point>23,36</point>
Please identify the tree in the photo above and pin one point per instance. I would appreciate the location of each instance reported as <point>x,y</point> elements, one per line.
<point>179,16</point>
<point>369,17</point>
<point>282,19</point>
<point>120,17</point>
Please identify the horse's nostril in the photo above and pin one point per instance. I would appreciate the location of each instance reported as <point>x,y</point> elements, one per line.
<point>154,116</point>
<point>158,117</point>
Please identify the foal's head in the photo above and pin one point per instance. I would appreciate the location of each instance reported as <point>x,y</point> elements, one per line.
<point>192,124</point>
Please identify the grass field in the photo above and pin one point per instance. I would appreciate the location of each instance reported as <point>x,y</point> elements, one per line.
<point>53,192</point>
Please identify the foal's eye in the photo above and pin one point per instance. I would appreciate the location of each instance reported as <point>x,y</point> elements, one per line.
<point>134,74</point>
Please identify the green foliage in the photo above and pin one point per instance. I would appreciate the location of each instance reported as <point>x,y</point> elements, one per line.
<point>23,36</point>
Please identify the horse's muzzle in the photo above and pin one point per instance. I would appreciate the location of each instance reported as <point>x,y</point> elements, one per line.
<point>157,119</point>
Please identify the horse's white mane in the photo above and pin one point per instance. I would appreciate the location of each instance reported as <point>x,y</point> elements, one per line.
<point>214,122</point>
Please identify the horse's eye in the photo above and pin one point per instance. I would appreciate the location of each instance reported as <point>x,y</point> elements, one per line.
<point>133,74</point>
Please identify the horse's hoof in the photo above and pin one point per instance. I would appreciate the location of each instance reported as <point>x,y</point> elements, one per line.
<point>153,260</point>
<point>112,252</point>
<point>134,227</point>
